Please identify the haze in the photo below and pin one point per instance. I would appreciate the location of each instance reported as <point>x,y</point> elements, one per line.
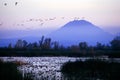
<point>103,13</point>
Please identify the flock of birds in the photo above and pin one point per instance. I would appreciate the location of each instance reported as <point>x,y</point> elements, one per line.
<point>41,67</point>
<point>5,4</point>
<point>37,22</point>
<point>41,21</point>
<point>16,3</point>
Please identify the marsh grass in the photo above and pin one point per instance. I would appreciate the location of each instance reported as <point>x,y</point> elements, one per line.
<point>9,71</point>
<point>91,70</point>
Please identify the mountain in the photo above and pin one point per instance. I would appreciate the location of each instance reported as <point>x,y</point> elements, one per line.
<point>78,31</point>
<point>71,33</point>
<point>115,30</point>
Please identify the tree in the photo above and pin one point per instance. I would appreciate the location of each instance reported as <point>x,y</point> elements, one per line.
<point>99,46</point>
<point>115,43</point>
<point>29,46</point>
<point>83,47</point>
<point>25,44</point>
<point>55,45</point>
<point>47,43</point>
<point>10,45</point>
<point>35,45</point>
<point>19,44</point>
<point>41,42</point>
<point>75,48</point>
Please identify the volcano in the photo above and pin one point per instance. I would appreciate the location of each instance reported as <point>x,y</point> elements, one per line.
<point>78,31</point>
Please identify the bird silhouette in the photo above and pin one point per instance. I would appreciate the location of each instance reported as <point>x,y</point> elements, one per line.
<point>41,24</point>
<point>83,18</point>
<point>46,19</point>
<point>40,20</point>
<point>16,3</point>
<point>1,24</point>
<point>30,19</point>
<point>52,19</point>
<point>63,17</point>
<point>5,4</point>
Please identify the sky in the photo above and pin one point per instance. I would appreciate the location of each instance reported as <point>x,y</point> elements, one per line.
<point>52,14</point>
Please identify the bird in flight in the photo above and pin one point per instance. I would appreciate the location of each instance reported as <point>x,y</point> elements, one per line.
<point>1,23</point>
<point>16,3</point>
<point>63,17</point>
<point>5,4</point>
<point>41,24</point>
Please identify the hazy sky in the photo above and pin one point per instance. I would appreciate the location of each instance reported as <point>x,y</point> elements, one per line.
<point>99,12</point>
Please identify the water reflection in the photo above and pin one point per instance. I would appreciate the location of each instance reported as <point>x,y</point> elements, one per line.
<point>48,68</point>
<point>42,68</point>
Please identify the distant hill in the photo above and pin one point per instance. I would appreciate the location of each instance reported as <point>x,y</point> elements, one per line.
<point>78,31</point>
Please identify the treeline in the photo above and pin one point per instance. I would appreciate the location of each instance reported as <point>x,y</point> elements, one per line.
<point>46,47</point>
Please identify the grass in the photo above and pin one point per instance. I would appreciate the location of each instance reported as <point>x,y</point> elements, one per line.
<point>92,70</point>
<point>8,71</point>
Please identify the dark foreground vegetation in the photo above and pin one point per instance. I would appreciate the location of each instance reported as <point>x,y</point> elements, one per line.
<point>46,47</point>
<point>9,71</point>
<point>91,70</point>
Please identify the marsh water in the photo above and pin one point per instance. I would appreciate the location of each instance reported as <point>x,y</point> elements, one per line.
<point>41,68</point>
<point>44,68</point>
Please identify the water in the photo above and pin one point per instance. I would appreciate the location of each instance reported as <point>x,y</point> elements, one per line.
<point>46,68</point>
<point>41,68</point>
